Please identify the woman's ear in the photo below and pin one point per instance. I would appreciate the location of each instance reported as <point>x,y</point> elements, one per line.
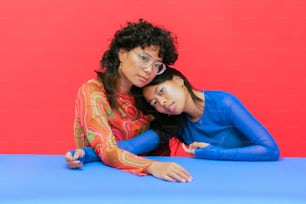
<point>122,54</point>
<point>178,80</point>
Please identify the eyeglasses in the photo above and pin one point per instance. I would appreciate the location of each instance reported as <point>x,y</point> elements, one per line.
<point>145,61</point>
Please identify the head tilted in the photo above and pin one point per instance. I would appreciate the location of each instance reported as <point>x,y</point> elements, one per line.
<point>134,34</point>
<point>165,125</point>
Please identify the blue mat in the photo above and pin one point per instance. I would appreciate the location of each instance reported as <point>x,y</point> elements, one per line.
<point>46,179</point>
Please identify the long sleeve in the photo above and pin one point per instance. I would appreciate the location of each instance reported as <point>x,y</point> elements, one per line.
<point>140,144</point>
<point>262,146</point>
<point>92,121</point>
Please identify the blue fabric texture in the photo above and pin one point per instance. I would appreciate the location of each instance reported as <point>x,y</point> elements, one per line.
<point>140,144</point>
<point>232,132</point>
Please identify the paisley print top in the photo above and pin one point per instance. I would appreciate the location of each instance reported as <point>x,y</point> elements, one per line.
<point>98,125</point>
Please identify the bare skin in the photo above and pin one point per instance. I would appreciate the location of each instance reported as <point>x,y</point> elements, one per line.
<point>190,149</point>
<point>168,171</point>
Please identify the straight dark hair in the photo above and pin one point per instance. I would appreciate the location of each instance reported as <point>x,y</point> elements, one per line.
<point>165,125</point>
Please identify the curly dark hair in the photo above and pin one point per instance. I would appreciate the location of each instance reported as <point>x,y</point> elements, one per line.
<point>134,34</point>
<point>165,125</point>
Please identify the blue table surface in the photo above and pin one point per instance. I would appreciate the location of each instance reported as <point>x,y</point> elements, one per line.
<point>46,179</point>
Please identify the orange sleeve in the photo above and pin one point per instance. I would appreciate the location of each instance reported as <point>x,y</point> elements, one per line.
<point>91,120</point>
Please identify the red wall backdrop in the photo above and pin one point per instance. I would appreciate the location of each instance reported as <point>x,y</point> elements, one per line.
<point>254,49</point>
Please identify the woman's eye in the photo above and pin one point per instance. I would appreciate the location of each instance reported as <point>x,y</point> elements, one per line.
<point>158,65</point>
<point>161,91</point>
<point>153,103</point>
<point>144,58</point>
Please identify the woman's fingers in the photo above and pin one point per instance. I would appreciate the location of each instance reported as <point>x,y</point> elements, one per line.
<point>191,148</point>
<point>198,145</point>
<point>69,157</point>
<point>169,178</point>
<point>76,164</point>
<point>78,153</point>
<point>181,175</point>
<point>72,162</point>
<point>169,171</point>
<point>188,150</point>
<point>185,148</point>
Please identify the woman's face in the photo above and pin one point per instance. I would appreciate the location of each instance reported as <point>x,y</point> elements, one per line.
<point>132,70</point>
<point>168,97</point>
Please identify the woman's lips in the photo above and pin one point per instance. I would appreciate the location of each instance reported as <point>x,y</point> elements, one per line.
<point>143,79</point>
<point>171,107</point>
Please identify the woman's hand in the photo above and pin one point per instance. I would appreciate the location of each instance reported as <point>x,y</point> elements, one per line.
<point>72,160</point>
<point>169,171</point>
<point>193,146</point>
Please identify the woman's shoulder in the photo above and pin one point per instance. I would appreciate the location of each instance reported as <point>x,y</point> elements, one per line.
<point>219,93</point>
<point>92,86</point>
<point>94,82</point>
<point>220,96</point>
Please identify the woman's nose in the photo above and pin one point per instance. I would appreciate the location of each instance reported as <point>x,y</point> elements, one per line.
<point>162,101</point>
<point>149,69</point>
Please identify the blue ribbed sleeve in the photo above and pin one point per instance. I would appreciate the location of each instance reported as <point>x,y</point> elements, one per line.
<point>261,144</point>
<point>140,144</point>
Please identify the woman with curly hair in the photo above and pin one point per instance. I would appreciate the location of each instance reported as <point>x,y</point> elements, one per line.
<point>105,109</point>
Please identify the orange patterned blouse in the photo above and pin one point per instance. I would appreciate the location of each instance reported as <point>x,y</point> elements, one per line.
<point>99,126</point>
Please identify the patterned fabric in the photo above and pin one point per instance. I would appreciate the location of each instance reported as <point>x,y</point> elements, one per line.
<point>99,126</point>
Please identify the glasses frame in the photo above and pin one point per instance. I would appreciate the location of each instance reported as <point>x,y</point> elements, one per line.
<point>147,65</point>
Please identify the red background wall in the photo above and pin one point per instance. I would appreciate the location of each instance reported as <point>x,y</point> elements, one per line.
<point>254,49</point>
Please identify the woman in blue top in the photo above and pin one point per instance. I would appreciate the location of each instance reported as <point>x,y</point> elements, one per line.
<point>214,124</point>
